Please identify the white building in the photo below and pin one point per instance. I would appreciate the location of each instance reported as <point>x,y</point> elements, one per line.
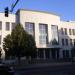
<point>6,25</point>
<point>54,38</point>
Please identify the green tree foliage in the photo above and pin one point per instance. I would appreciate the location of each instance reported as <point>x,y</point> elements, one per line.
<point>7,45</point>
<point>30,46</point>
<point>19,43</point>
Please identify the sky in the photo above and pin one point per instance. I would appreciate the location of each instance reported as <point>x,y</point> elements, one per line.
<point>64,8</point>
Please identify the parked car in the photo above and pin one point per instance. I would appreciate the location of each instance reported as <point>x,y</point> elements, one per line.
<point>6,70</point>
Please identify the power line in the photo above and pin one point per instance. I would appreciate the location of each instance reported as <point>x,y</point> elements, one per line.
<point>13,6</point>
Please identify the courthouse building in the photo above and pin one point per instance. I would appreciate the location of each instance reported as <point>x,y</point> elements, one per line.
<point>54,38</point>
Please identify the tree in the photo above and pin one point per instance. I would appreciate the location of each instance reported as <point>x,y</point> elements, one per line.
<point>30,46</point>
<point>18,39</point>
<point>7,45</point>
<point>19,43</point>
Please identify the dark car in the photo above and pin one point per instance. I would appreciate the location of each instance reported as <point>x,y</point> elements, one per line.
<point>6,70</point>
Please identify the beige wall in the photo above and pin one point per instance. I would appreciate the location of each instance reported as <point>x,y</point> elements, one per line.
<point>49,19</point>
<point>39,17</point>
<point>68,25</point>
<point>11,19</point>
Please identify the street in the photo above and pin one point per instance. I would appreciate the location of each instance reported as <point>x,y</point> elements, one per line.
<point>48,70</point>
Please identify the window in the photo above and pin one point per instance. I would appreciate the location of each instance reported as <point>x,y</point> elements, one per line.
<point>65,29</point>
<point>29,27</point>
<point>40,53</point>
<point>66,42</point>
<point>73,31</point>
<point>13,26</point>
<point>70,32</point>
<point>42,39</point>
<point>43,30</point>
<point>74,42</point>
<point>0,25</point>
<point>62,32</point>
<point>63,42</point>
<point>65,53</point>
<point>7,26</point>
<point>0,39</point>
<point>54,30</point>
<point>71,42</point>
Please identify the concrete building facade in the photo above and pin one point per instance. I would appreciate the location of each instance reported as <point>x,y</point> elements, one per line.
<point>6,25</point>
<point>54,38</point>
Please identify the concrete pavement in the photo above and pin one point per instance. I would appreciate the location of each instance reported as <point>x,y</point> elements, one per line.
<point>66,68</point>
<point>28,66</point>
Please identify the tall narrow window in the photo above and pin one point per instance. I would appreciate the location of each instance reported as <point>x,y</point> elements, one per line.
<point>67,53</point>
<point>71,42</point>
<point>63,53</point>
<point>0,39</point>
<point>63,42</point>
<point>66,42</point>
<point>73,31</point>
<point>74,42</point>
<point>43,30</point>
<point>7,26</point>
<point>54,30</point>
<point>62,32</point>
<point>13,26</point>
<point>65,29</point>
<point>0,25</point>
<point>29,27</point>
<point>70,32</point>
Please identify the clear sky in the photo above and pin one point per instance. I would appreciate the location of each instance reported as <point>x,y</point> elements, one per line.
<point>64,8</point>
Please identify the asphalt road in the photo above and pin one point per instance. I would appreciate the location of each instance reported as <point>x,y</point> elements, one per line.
<point>48,70</point>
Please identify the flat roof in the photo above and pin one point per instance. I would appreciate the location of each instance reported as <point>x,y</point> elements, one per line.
<point>36,11</point>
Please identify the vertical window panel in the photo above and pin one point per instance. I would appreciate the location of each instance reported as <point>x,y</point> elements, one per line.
<point>74,42</point>
<point>73,31</point>
<point>7,26</point>
<point>66,42</point>
<point>62,32</point>
<point>13,26</point>
<point>0,25</point>
<point>0,39</point>
<point>65,30</point>
<point>71,44</point>
<point>63,42</point>
<point>70,32</point>
<point>54,30</point>
<point>29,27</point>
<point>43,30</point>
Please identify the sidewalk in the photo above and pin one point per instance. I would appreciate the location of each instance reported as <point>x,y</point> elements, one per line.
<point>29,66</point>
